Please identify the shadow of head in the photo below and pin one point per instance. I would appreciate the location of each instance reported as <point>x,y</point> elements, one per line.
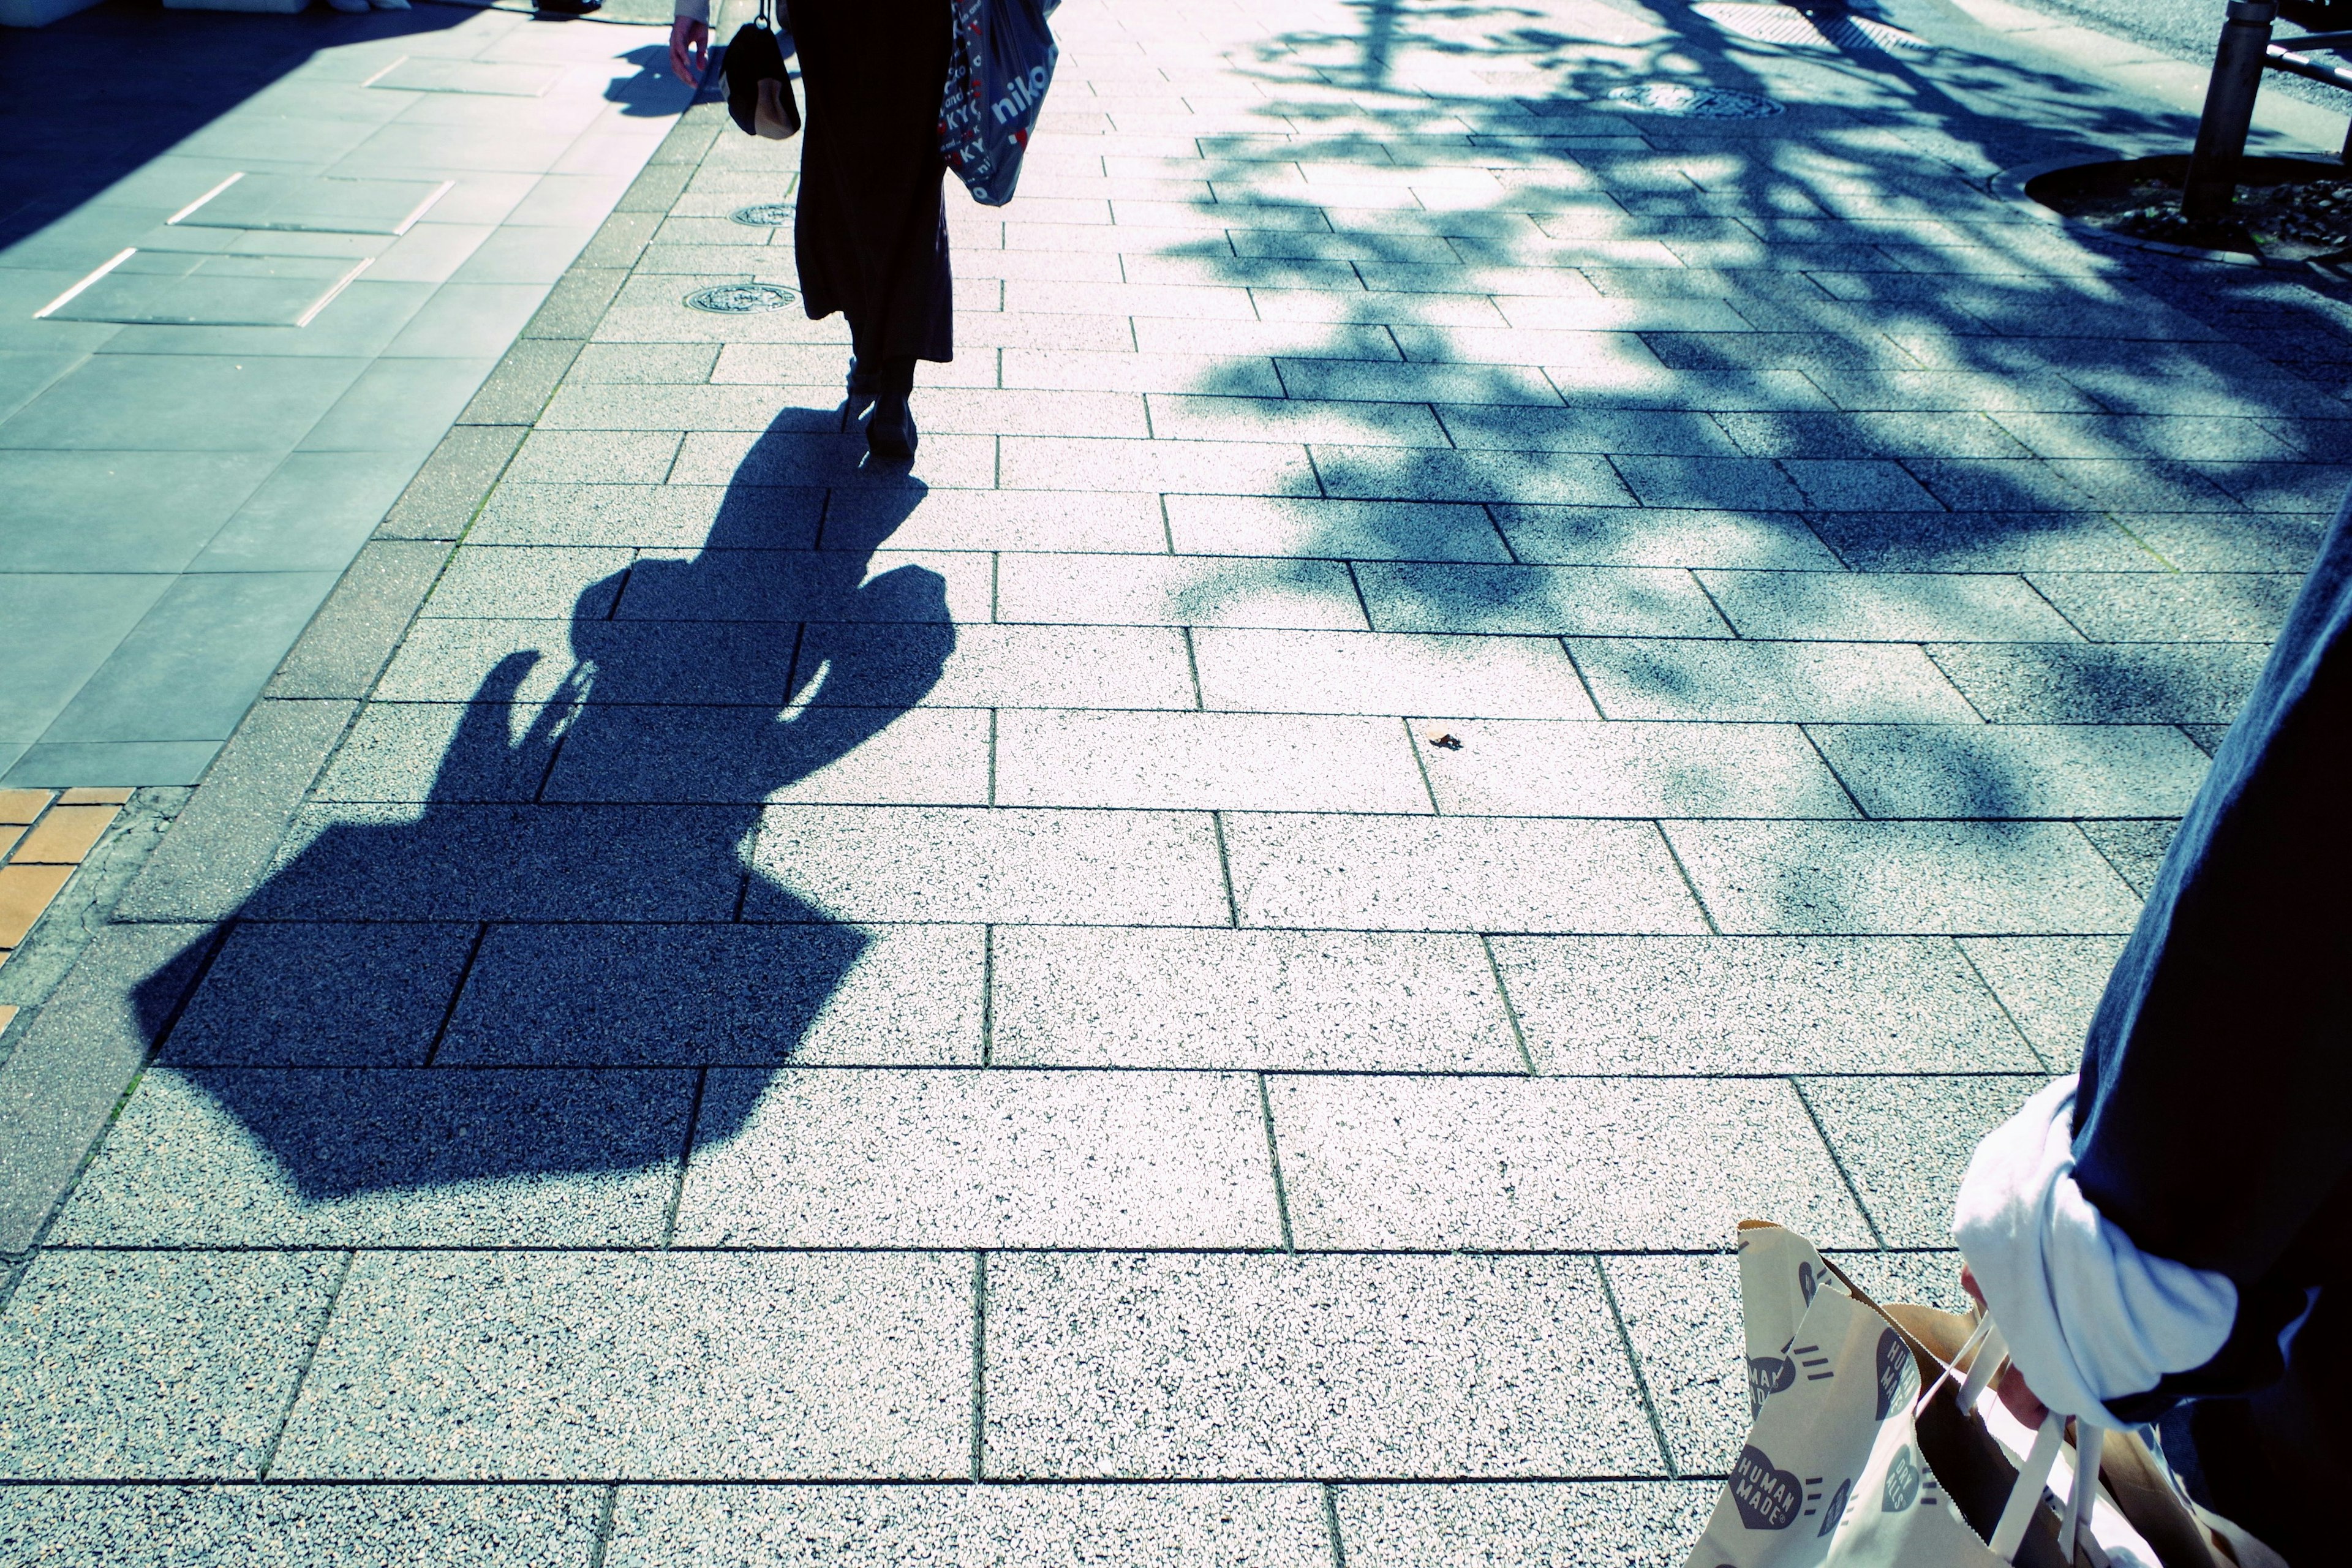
<point>573,905</point>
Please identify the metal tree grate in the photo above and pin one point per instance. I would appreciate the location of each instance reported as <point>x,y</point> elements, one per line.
<point>1690,101</point>
<point>1831,29</point>
<point>740,298</point>
<point>767,214</point>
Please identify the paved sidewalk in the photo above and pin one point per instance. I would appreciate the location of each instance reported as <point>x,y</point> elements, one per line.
<point>1468,687</point>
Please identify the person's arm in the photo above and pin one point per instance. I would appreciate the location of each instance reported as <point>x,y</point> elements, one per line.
<point>690,41</point>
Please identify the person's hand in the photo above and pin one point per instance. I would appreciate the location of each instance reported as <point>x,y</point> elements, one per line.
<point>2011,1386</point>
<point>689,49</point>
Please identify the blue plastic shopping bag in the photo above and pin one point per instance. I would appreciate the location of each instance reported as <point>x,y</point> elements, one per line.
<point>1000,62</point>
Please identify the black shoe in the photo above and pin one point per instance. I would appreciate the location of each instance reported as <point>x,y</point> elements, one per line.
<point>890,433</point>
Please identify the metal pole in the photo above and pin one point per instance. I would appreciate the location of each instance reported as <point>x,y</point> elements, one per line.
<point>2213,184</point>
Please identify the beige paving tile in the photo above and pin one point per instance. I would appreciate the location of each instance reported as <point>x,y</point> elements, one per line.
<point>64,835</point>
<point>24,892</point>
<point>20,807</point>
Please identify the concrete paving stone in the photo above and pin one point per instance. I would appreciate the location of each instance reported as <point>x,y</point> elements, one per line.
<point>1197,419</point>
<point>2136,849</point>
<point>693,1366</point>
<point>511,583</point>
<point>524,380</point>
<point>2127,683</point>
<point>1242,1526</point>
<point>312,514</point>
<point>644,363</point>
<point>617,662</point>
<point>2148,485</point>
<point>120,512</point>
<point>1157,335</point>
<point>1522,1524</point>
<point>1846,485</point>
<point>1496,874</point>
<point>1982,541</point>
<point>322,996</point>
<point>1415,474</point>
<point>1267,1001</point>
<point>1928,1276</point>
<point>254,1526</point>
<point>1676,1006</point>
<point>1517,768</point>
<point>1884,607</point>
<point>1228,376</point>
<point>1663,432</point>
<point>800,366</point>
<point>1319,305</point>
<point>505,862</point>
<point>2275,486</point>
<point>339,653</point>
<point>1593,601</point>
<point>428,750</point>
<point>1361,531</point>
<point>1905,1143</point>
<point>2014,770</point>
<point>1205,762</point>
<point>386,1156</point>
<point>1114,521</point>
<point>979,1159</point>
<point>1897,390</point>
<point>1593,359</point>
<point>1548,1164</point>
<point>181,403</point>
<point>1007,666</point>
<point>1185,590</point>
<point>1989,484</point>
<point>932,756</point>
<point>2201,606</point>
<point>2230,542</point>
<point>1368,381</point>
<point>1682,1318</point>
<point>808,996</point>
<point>1798,433</point>
<point>2050,987</point>
<point>2126,438</point>
<point>2209,737</point>
<point>1772,351</point>
<point>1020,868</point>
<point>903,587</point>
<point>1247,467</point>
<point>1126,1364</point>
<point>123,1365</point>
<point>1358,672</point>
<point>1711,482</point>
<point>596,457</point>
<point>656,517</point>
<point>1966,878</point>
<point>623,408</point>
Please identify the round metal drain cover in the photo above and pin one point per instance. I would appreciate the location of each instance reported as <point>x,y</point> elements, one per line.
<point>767,214</point>
<point>1690,101</point>
<point>740,298</point>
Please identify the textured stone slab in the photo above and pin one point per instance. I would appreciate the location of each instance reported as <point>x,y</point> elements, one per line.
<point>1113,521</point>
<point>1190,590</point>
<point>634,661</point>
<point>1675,1004</point>
<point>2048,984</point>
<point>649,516</point>
<point>829,585</point>
<point>641,996</point>
<point>1414,473</point>
<point>1661,536</point>
<point>1375,672</point>
<point>1034,867</point>
<point>438,751</point>
<point>1682,1316</point>
<point>1496,874</point>
<point>1982,541</point>
<point>1247,1526</point>
<point>323,994</point>
<point>1637,1524</point>
<point>130,1364</point>
<point>874,1158</point>
<point>1684,679</point>
<point>1908,607</point>
<point>1266,1000</point>
<point>1339,530</point>
<point>1579,769</point>
<point>1971,879</point>
<point>2140,683</point>
<point>1905,1143</point>
<point>2164,607</point>
<point>1549,1163</point>
<point>850,756</point>
<point>2135,848</point>
<point>2014,770</point>
<point>377,1156</point>
<point>1250,762</point>
<point>258,1527</point>
<point>1124,1364</point>
<point>1000,666</point>
<point>544,1365</point>
<point>1590,601</point>
<point>551,580</point>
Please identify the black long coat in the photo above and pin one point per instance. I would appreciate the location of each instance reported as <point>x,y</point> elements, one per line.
<point>871,235</point>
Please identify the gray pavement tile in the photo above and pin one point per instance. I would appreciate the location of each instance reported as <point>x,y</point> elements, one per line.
<point>449,490</point>
<point>596,661</point>
<point>1729,681</point>
<point>2278,487</point>
<point>1661,536</point>
<point>1121,522</point>
<point>2202,606</point>
<point>1965,878</point>
<point>645,364</point>
<point>1185,590</point>
<point>1982,541</point>
<point>1214,468</point>
<point>596,457</point>
<point>1991,484</point>
<point>313,514</point>
<point>1025,867</point>
<point>916,1158</point>
<point>1519,768</point>
<point>1610,1524</point>
<point>1676,1005</point>
<point>1662,432</point>
<point>1382,672</point>
<point>126,1364</point>
<point>120,512</point>
<point>398,406</point>
<point>1002,667</point>
<point>1682,1317</point>
<point>2136,849</point>
<point>1897,390</point>
<point>1411,473</point>
<point>1590,601</point>
<point>547,1365</point>
<point>2130,683</point>
<point>515,391</point>
<point>55,630</point>
<point>1230,376</point>
<point>2125,437</point>
<point>2230,542</point>
<point>1298,419</point>
<point>426,750</point>
<point>2150,486</point>
<point>1124,1364</point>
<point>1858,485</point>
<point>1239,1526</point>
<point>1884,607</point>
<point>1905,1141</point>
<point>1494,874</point>
<point>1725,481</point>
<point>1265,1000</point>
<point>340,652</point>
<point>828,585</point>
<point>1549,1164</point>
<point>1928,1277</point>
<point>322,996</point>
<point>1342,529</point>
<point>641,996</point>
<point>653,517</point>
<point>386,1156</point>
<point>1805,433</point>
<point>181,403</point>
<point>846,755</point>
<point>2014,770</point>
<point>258,1526</point>
<point>1205,762</point>
<point>2049,985</point>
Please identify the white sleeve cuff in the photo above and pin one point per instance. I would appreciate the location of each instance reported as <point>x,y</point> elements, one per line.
<point>2089,1316</point>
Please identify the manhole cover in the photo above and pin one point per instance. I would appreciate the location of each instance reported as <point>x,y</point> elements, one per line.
<point>1691,102</point>
<point>767,214</point>
<point>740,298</point>
<point>1824,29</point>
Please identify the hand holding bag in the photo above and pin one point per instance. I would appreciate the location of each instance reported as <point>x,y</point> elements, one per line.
<point>759,89</point>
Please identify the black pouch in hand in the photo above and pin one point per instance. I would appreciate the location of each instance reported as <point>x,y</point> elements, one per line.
<point>759,89</point>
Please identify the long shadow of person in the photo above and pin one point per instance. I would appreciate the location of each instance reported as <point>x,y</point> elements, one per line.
<point>517,980</point>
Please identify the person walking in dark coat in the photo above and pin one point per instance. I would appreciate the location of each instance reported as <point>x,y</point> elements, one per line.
<point>870,235</point>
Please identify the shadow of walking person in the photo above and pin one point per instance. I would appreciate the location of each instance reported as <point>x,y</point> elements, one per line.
<point>485,1009</point>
